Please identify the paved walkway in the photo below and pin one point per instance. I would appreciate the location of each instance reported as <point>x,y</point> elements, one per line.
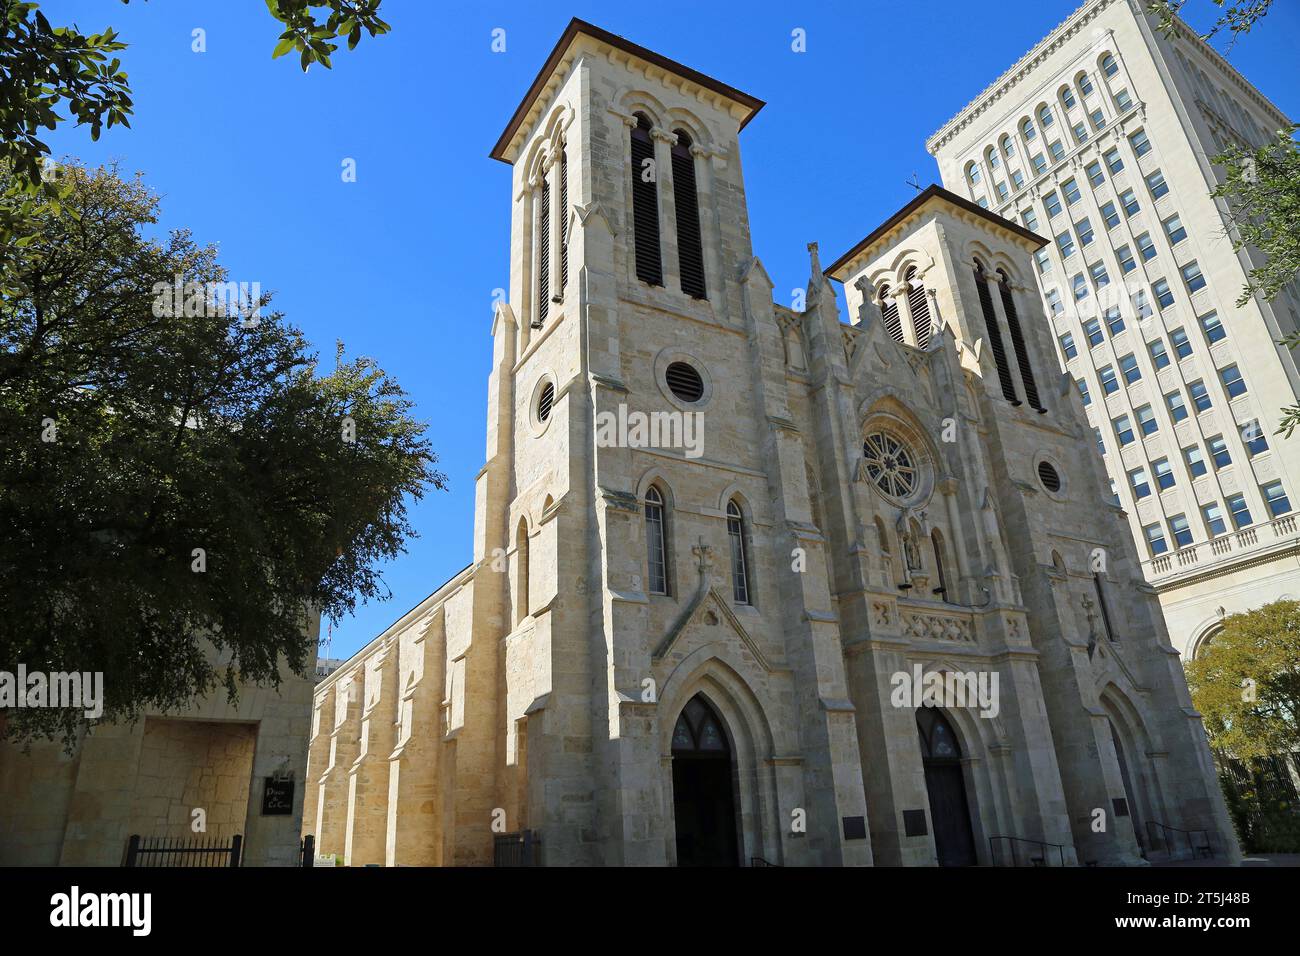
<point>1251,859</point>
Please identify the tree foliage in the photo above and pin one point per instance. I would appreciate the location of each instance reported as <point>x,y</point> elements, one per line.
<point>1237,18</point>
<point>139,434</point>
<point>1246,683</point>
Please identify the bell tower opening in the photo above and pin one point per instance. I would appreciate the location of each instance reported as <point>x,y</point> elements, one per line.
<point>704,795</point>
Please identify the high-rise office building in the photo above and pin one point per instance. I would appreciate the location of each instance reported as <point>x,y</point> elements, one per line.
<point>1101,138</point>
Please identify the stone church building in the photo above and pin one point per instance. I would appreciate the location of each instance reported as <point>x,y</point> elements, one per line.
<point>721,543</point>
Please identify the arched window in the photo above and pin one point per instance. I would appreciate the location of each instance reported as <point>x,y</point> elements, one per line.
<point>1027,130</point>
<point>690,248</point>
<point>886,554</point>
<point>972,173</point>
<point>521,571</point>
<point>739,556</point>
<point>995,335</point>
<point>889,312</point>
<point>1066,96</point>
<point>564,224</point>
<point>698,729</point>
<point>1008,147</point>
<point>1109,66</point>
<point>1018,342</point>
<point>938,739</point>
<point>936,542</point>
<point>919,306</point>
<point>656,535</point>
<point>645,204</point>
<point>991,157</point>
<point>1044,116</point>
<point>544,232</point>
<point>1098,584</point>
<point>1084,83</point>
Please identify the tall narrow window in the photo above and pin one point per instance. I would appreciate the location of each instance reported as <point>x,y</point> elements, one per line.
<point>1018,341</point>
<point>995,335</point>
<point>1105,611</point>
<point>544,252</point>
<point>690,249</point>
<point>936,541</point>
<point>739,564</point>
<point>521,572</point>
<point>889,311</point>
<point>564,224</point>
<point>645,205</point>
<point>657,551</point>
<point>920,307</point>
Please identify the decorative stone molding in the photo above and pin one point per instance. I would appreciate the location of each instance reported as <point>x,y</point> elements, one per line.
<point>933,626</point>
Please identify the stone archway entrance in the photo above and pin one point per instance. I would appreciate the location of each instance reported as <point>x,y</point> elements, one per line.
<point>1130,793</point>
<point>704,793</point>
<point>954,840</point>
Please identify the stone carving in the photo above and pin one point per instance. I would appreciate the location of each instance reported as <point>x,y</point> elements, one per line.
<point>937,627</point>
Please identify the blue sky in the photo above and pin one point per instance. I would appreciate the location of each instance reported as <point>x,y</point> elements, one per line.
<point>247,152</point>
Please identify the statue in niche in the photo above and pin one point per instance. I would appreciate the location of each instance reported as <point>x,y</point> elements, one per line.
<point>908,535</point>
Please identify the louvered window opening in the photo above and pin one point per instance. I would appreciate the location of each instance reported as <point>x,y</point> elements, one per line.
<point>1018,340</point>
<point>690,250</point>
<point>645,206</point>
<point>1048,476</point>
<point>545,402</point>
<point>917,302</point>
<point>889,312</point>
<point>684,382</point>
<point>544,253</point>
<point>995,337</point>
<point>564,225</point>
<point>739,569</point>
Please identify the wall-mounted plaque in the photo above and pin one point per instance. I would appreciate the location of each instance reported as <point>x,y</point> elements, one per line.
<point>914,823</point>
<point>277,798</point>
<point>855,828</point>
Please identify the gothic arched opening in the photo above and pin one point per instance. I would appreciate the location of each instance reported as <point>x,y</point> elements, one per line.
<point>704,798</point>
<point>945,784</point>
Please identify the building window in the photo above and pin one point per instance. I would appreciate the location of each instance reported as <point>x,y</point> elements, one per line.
<point>1164,294</point>
<point>1098,117</point>
<point>690,246</point>
<point>1057,150</point>
<point>1109,383</point>
<point>1114,162</point>
<point>1067,97</point>
<point>1023,360</point>
<point>739,563</point>
<point>1214,522</point>
<point>972,174</point>
<point>1174,230</point>
<point>1141,145</point>
<point>1195,461</point>
<point>1137,479</point>
<point>1193,277</point>
<point>1141,306</point>
<point>1045,116</point>
<point>1240,511</point>
<point>1084,228</point>
<point>645,205</point>
<point>1052,203</point>
<point>1114,320</point>
<point>1128,199</point>
<point>1156,539</point>
<point>1081,290</point>
<point>1110,214</point>
<point>1182,530</point>
<point>1094,173</point>
<point>1017,179</point>
<point>1108,65</point>
<point>1159,357</point>
<point>1212,327</point>
<point>563,223</point>
<point>1275,498</point>
<point>1123,102</point>
<point>1233,383</point>
<point>1092,329</point>
<point>1126,261</point>
<point>995,335</point>
<point>919,307</point>
<point>891,464</point>
<point>1177,408</point>
<point>889,312</point>
<point>1083,393</point>
<point>545,230</point>
<point>1043,261</point>
<point>1200,396</point>
<point>1123,430</point>
<point>1147,420</point>
<point>1039,161</point>
<point>1101,278</point>
<point>1254,438</point>
<point>982,203</point>
<point>656,541</point>
<point>1065,242</point>
<point>1182,344</point>
<point>1067,346</point>
<point>991,157</point>
<point>1146,248</point>
<point>1080,133</point>
<point>1219,452</point>
<point>1029,218</point>
<point>1156,183</point>
<point>1085,84</point>
<point>1071,190</point>
<point>1129,366</point>
<point>1164,474</point>
<point>1101,442</point>
<point>1008,147</point>
<point>1027,130</point>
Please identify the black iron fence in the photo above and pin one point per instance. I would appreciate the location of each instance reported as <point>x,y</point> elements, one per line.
<point>183,851</point>
<point>1020,851</point>
<point>1194,844</point>
<point>516,849</point>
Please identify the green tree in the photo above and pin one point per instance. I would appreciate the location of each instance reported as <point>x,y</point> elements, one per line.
<point>1246,683</point>
<point>1237,18</point>
<point>178,471</point>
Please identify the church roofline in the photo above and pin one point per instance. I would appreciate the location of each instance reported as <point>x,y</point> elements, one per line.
<point>578,27</point>
<point>933,191</point>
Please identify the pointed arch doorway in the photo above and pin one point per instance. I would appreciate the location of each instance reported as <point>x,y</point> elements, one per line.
<point>954,840</point>
<point>704,800</point>
<point>1130,794</point>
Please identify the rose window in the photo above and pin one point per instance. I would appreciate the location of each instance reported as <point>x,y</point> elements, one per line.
<point>891,465</point>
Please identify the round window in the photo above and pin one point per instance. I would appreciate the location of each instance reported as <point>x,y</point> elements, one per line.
<point>891,465</point>
<point>545,401</point>
<point>1049,476</point>
<point>684,381</point>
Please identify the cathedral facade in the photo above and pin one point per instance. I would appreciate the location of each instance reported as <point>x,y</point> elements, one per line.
<point>751,583</point>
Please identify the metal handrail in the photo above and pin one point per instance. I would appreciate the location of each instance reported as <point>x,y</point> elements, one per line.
<point>1040,860</point>
<point>1194,849</point>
